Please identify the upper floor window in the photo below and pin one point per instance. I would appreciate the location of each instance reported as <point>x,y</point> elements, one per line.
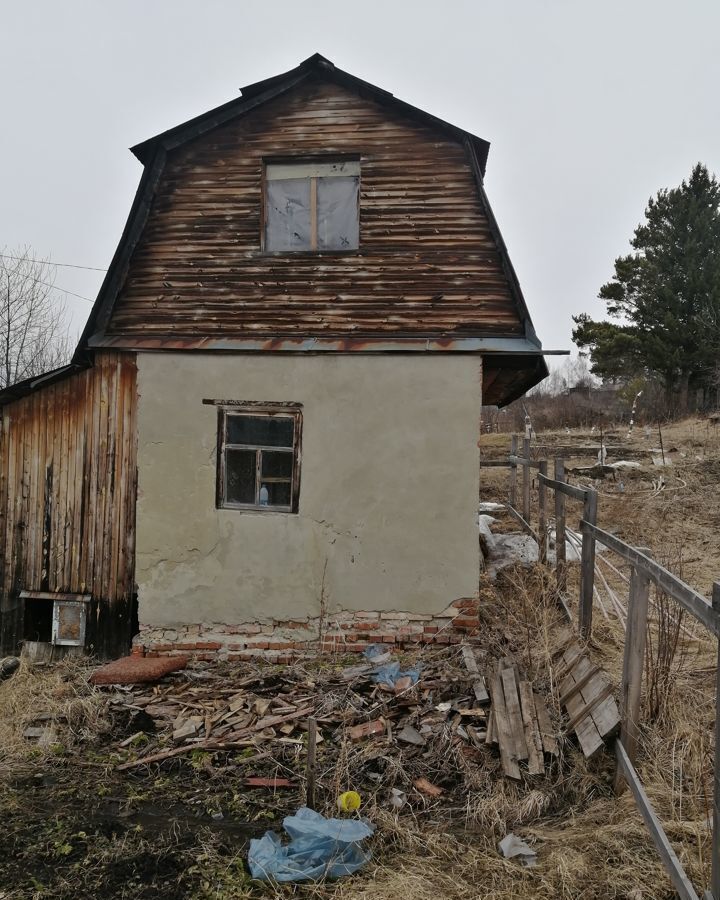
<point>312,206</point>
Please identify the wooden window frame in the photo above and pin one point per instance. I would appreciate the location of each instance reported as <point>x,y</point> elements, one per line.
<point>300,161</point>
<point>291,411</point>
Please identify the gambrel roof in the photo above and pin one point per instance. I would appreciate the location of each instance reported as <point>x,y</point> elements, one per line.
<point>519,357</point>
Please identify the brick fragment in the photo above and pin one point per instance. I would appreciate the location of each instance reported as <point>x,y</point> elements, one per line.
<point>465,603</point>
<point>366,729</point>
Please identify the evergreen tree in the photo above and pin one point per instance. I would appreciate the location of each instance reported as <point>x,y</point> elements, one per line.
<point>665,296</point>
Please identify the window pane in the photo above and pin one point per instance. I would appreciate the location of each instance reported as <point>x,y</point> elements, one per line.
<point>287,214</point>
<point>338,225</point>
<point>240,476</point>
<point>276,464</point>
<point>275,493</point>
<point>270,431</point>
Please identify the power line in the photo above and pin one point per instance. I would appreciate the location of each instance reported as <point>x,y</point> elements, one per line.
<point>48,262</point>
<point>54,287</point>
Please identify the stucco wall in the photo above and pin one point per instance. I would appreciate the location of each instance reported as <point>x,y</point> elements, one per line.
<point>388,495</point>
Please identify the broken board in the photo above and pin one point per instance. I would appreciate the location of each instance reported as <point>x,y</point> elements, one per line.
<point>518,723</point>
<point>586,694</point>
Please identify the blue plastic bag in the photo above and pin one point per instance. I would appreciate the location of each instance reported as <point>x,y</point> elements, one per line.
<point>318,848</point>
<point>391,673</point>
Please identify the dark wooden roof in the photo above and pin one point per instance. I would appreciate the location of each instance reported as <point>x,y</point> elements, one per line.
<point>314,67</point>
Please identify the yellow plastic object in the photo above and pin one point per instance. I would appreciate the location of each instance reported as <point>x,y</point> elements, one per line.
<point>349,801</point>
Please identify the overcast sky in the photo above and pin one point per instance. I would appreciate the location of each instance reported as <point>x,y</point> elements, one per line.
<point>590,108</point>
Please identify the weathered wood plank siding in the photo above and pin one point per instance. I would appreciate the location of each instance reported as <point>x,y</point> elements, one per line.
<point>427,263</point>
<point>68,475</point>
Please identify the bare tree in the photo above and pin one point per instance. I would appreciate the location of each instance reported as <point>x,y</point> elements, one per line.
<point>34,334</point>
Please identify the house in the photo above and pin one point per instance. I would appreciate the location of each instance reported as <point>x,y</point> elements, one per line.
<point>269,430</point>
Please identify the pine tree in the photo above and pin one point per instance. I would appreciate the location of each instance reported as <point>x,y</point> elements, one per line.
<point>665,296</point>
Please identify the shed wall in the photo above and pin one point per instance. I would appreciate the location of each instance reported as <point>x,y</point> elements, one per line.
<point>67,498</point>
<point>388,494</point>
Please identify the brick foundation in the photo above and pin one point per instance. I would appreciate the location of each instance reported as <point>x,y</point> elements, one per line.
<point>284,641</point>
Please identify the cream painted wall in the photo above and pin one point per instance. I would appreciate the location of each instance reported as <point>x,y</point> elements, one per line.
<point>388,493</point>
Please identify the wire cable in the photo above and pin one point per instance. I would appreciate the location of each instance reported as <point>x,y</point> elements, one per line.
<point>47,262</point>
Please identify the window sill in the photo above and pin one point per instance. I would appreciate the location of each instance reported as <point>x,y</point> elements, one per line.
<point>262,510</point>
<point>312,254</point>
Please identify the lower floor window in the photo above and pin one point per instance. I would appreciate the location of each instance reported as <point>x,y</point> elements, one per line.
<point>259,457</point>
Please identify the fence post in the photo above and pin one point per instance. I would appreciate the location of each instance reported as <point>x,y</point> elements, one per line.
<point>715,878</point>
<point>560,545</point>
<point>633,662</point>
<point>587,564</point>
<point>542,518</point>
<point>513,472</point>
<point>526,481</point>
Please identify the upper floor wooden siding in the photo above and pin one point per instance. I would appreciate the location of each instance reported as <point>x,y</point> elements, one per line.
<point>427,263</point>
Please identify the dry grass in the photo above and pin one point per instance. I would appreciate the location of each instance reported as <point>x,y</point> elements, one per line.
<point>59,693</point>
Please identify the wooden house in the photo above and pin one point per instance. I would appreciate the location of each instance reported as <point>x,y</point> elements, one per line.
<point>269,431</point>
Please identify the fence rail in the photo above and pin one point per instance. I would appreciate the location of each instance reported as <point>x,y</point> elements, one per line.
<point>644,572</point>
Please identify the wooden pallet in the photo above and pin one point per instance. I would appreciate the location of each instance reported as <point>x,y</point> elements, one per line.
<point>519,723</point>
<point>586,694</point>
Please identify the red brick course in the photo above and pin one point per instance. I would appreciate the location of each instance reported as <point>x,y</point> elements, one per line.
<point>282,641</point>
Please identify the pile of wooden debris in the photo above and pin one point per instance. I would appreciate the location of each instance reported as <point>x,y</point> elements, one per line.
<point>285,726</point>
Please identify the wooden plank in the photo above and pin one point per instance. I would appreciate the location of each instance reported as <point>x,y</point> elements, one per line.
<point>578,685</point>
<point>570,656</point>
<point>560,539</point>
<point>587,566</point>
<point>596,694</point>
<point>524,462</point>
<point>542,514</point>
<point>513,471</point>
<point>469,659</point>
<point>480,690</point>
<point>681,882</point>
<point>490,736</point>
<point>536,763</point>
<point>503,734</point>
<point>479,686</point>
<point>513,712</point>
<point>568,489</point>
<point>586,730</point>
<point>589,707</point>
<point>526,481</point>
<point>633,664</point>
<point>547,735</point>
<point>686,596</point>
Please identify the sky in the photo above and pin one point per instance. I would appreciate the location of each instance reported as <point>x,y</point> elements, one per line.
<point>590,109</point>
